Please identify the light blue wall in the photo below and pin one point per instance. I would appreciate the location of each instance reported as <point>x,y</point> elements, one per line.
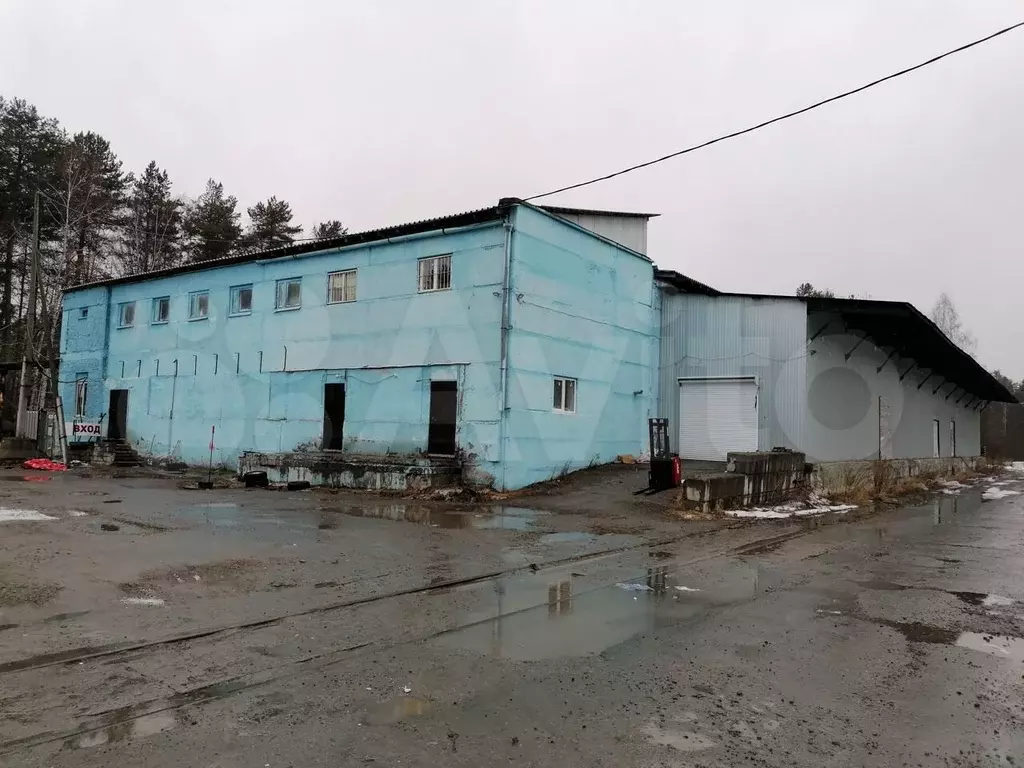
<point>259,378</point>
<point>581,307</point>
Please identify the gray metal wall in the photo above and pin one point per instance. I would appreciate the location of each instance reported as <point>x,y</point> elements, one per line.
<point>737,336</point>
<point>850,403</point>
<point>630,231</point>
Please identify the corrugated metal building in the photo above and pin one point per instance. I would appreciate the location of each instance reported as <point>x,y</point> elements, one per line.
<point>839,379</point>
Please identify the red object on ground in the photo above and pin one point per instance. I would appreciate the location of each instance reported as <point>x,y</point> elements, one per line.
<point>677,470</point>
<point>44,464</point>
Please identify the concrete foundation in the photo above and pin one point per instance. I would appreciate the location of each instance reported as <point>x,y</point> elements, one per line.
<point>750,479</point>
<point>845,476</point>
<point>342,470</point>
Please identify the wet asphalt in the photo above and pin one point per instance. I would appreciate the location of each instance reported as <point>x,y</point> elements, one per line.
<point>238,629</point>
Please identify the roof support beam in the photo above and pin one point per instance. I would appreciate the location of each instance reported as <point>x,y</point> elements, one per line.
<point>952,392</point>
<point>957,401</point>
<point>941,385</point>
<point>904,374</point>
<point>820,331</point>
<point>879,368</point>
<point>854,347</point>
<point>930,374</point>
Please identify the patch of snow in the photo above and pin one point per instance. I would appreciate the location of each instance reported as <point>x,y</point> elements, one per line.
<point>8,515</point>
<point>787,511</point>
<point>1016,466</point>
<point>996,600</point>
<point>142,601</point>
<point>629,586</point>
<point>830,613</point>
<point>76,513</point>
<point>993,493</point>
<point>687,589</point>
<point>951,484</point>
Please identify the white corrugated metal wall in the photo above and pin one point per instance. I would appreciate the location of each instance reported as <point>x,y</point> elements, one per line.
<point>707,336</point>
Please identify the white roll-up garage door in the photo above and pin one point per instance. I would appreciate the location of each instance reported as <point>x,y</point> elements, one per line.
<point>717,416</point>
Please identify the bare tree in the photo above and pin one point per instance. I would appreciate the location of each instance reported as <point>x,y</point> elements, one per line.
<point>945,315</point>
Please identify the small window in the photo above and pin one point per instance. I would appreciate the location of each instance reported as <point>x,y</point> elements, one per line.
<point>83,313</point>
<point>81,393</point>
<point>289,293</point>
<point>936,445</point>
<point>162,309</point>
<point>435,273</point>
<point>565,395</point>
<point>199,305</point>
<point>341,286</point>
<point>241,300</point>
<point>126,315</point>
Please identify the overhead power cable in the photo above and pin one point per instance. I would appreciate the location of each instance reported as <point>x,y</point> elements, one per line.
<point>780,118</point>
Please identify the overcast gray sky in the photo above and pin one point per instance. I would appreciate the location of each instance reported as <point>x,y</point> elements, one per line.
<point>380,112</point>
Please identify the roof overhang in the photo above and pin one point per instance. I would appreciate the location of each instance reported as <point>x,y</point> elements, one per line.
<point>683,283</point>
<point>903,329</point>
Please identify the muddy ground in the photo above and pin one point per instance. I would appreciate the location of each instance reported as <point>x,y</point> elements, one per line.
<point>144,624</point>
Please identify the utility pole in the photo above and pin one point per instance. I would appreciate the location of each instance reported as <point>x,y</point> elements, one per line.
<point>29,356</point>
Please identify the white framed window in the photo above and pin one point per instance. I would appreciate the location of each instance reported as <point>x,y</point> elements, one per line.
<point>936,444</point>
<point>161,309</point>
<point>289,293</point>
<point>341,286</point>
<point>126,315</point>
<point>952,437</point>
<point>435,273</point>
<point>83,313</point>
<point>241,299</point>
<point>81,393</point>
<point>198,305</point>
<point>564,395</point>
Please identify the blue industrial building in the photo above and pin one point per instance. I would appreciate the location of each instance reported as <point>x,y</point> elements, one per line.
<point>519,341</point>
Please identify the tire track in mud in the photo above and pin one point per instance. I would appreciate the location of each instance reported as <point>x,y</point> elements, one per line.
<point>224,688</point>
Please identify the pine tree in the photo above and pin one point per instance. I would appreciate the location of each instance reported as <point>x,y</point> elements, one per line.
<point>29,145</point>
<point>152,224</point>
<point>329,229</point>
<point>271,225</point>
<point>211,224</point>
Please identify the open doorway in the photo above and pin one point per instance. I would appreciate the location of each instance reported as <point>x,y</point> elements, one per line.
<point>443,408</point>
<point>334,416</point>
<point>117,423</point>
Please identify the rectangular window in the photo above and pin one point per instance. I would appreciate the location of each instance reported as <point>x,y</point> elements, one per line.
<point>952,437</point>
<point>198,305</point>
<point>162,309</point>
<point>341,286</point>
<point>289,293</point>
<point>83,313</point>
<point>81,393</point>
<point>565,395</point>
<point>936,447</point>
<point>241,300</point>
<point>435,273</point>
<point>126,315</point>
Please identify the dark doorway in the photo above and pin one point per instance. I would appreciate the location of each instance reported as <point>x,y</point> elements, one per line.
<point>334,416</point>
<point>443,407</point>
<point>117,424</point>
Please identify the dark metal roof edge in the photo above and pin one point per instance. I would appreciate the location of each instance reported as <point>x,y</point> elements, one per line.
<point>468,218</point>
<point>599,212</point>
<point>960,359</point>
<point>684,282</point>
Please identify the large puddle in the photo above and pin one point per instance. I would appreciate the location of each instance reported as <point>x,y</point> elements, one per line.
<point>558,613</point>
<point>482,518</point>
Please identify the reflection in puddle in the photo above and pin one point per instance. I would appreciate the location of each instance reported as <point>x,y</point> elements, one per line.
<point>128,722</point>
<point>559,614</point>
<point>401,708</point>
<point>484,518</point>
<point>998,645</point>
<point>124,730</point>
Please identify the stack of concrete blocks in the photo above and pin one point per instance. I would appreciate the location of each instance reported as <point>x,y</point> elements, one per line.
<point>750,480</point>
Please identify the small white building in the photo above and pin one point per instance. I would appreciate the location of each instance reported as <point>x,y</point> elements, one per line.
<point>837,379</point>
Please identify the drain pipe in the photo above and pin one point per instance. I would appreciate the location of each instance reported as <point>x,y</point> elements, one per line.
<point>506,298</point>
